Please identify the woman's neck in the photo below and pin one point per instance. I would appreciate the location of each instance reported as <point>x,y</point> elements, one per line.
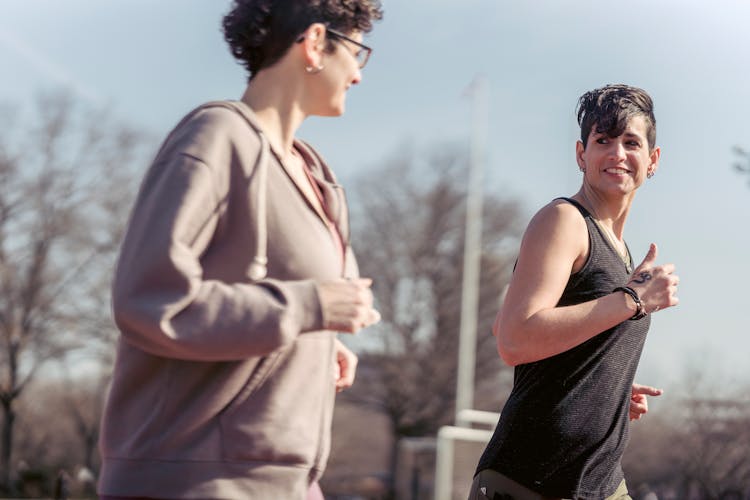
<point>612,213</point>
<point>275,106</point>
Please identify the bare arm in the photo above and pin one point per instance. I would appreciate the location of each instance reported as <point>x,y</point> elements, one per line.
<point>530,326</point>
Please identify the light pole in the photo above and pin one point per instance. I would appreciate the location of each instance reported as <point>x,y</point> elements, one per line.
<point>479,92</point>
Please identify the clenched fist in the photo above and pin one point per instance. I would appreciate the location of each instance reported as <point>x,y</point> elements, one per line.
<point>347,304</point>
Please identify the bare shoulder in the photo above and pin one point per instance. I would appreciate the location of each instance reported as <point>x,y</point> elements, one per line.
<point>559,232</point>
<point>556,217</point>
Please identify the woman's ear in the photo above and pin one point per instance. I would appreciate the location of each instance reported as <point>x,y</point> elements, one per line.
<point>313,44</point>
<point>580,149</point>
<point>654,157</point>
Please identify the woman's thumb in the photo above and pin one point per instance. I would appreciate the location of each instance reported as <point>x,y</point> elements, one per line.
<point>650,258</point>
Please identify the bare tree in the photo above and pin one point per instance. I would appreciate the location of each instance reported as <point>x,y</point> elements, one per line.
<point>697,447</point>
<point>409,237</point>
<point>82,402</point>
<point>64,185</point>
<point>56,432</point>
<point>715,460</point>
<point>649,462</point>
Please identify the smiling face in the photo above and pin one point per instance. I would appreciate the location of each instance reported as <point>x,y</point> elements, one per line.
<point>618,165</point>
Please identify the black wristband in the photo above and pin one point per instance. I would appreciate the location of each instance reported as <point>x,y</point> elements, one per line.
<point>640,308</point>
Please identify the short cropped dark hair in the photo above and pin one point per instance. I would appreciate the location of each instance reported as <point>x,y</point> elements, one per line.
<point>259,32</point>
<point>610,108</point>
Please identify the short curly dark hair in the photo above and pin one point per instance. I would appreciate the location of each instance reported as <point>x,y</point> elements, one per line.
<point>610,108</point>
<point>259,32</point>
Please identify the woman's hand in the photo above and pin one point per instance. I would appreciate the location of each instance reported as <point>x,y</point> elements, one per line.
<point>639,400</point>
<point>344,366</point>
<point>347,304</point>
<point>655,285</point>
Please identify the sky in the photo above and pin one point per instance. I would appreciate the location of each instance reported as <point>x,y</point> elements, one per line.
<point>150,62</point>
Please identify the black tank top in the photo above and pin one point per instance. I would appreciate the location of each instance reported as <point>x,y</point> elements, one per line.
<point>564,427</point>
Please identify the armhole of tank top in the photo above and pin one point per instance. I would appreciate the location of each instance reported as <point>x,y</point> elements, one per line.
<point>586,217</point>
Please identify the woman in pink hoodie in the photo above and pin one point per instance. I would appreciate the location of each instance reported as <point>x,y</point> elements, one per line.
<point>236,274</point>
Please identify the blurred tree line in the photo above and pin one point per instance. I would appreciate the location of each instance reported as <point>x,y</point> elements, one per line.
<point>67,178</point>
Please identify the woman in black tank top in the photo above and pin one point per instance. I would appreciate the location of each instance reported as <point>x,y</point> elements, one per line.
<point>575,319</point>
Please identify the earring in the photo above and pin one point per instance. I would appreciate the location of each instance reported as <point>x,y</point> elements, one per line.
<point>649,174</point>
<point>314,69</point>
<point>582,169</point>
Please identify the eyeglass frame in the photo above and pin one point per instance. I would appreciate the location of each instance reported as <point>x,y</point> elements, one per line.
<point>368,50</point>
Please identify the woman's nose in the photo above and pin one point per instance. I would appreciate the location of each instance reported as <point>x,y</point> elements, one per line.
<point>618,150</point>
<point>357,77</point>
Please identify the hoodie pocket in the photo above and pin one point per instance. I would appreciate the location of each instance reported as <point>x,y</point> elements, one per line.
<point>278,416</point>
<point>262,370</point>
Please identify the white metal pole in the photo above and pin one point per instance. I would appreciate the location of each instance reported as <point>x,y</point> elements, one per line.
<point>444,459</point>
<point>472,245</point>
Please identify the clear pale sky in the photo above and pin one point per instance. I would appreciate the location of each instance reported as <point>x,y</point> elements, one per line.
<point>151,61</point>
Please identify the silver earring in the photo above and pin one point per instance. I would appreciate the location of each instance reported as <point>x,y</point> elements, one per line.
<point>314,69</point>
<point>582,169</point>
<point>649,175</point>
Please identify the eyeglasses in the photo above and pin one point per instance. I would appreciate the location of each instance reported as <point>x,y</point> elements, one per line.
<point>363,51</point>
